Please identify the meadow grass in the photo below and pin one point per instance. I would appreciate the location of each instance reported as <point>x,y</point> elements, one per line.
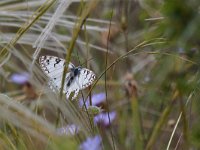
<point>145,55</point>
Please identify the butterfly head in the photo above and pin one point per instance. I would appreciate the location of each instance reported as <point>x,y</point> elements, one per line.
<point>77,70</point>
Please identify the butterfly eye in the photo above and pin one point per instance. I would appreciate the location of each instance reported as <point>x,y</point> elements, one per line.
<point>79,68</point>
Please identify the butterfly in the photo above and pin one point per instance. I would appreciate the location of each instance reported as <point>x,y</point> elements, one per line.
<point>77,78</point>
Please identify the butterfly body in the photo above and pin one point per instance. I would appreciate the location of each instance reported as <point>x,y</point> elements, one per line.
<point>76,79</point>
<point>74,73</point>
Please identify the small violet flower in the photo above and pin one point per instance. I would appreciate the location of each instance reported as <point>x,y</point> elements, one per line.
<point>68,130</point>
<point>92,143</point>
<point>103,118</point>
<point>96,99</point>
<point>100,118</point>
<point>20,78</point>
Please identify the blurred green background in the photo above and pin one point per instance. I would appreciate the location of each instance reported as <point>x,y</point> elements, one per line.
<point>145,55</point>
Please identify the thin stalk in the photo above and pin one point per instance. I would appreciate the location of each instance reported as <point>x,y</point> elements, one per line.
<point>77,28</point>
<point>137,127</point>
<point>177,122</point>
<point>106,64</point>
<point>185,124</point>
<point>7,140</point>
<point>161,121</point>
<point>87,55</point>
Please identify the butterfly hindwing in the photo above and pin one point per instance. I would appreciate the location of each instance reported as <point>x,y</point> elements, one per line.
<point>84,79</point>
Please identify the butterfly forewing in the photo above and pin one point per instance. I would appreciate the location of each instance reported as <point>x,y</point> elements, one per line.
<point>53,68</point>
<point>49,64</point>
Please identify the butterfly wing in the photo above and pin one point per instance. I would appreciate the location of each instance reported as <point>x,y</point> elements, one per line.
<point>51,63</point>
<point>53,68</point>
<point>85,78</point>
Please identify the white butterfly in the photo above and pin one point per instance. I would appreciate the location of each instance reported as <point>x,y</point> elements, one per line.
<point>76,79</point>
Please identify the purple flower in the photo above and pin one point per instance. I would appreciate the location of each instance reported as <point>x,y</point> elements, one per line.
<point>20,78</point>
<point>68,130</point>
<point>103,119</point>
<point>92,143</point>
<point>96,99</point>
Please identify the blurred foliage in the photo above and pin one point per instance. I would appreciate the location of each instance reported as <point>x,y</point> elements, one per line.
<point>62,143</point>
<point>152,51</point>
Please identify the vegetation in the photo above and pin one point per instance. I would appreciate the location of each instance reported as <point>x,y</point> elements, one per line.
<point>145,55</point>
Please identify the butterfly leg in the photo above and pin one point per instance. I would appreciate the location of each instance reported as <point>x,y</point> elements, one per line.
<point>67,94</point>
<point>75,94</point>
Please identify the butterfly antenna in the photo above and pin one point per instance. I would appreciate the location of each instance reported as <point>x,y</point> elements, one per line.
<point>86,61</point>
